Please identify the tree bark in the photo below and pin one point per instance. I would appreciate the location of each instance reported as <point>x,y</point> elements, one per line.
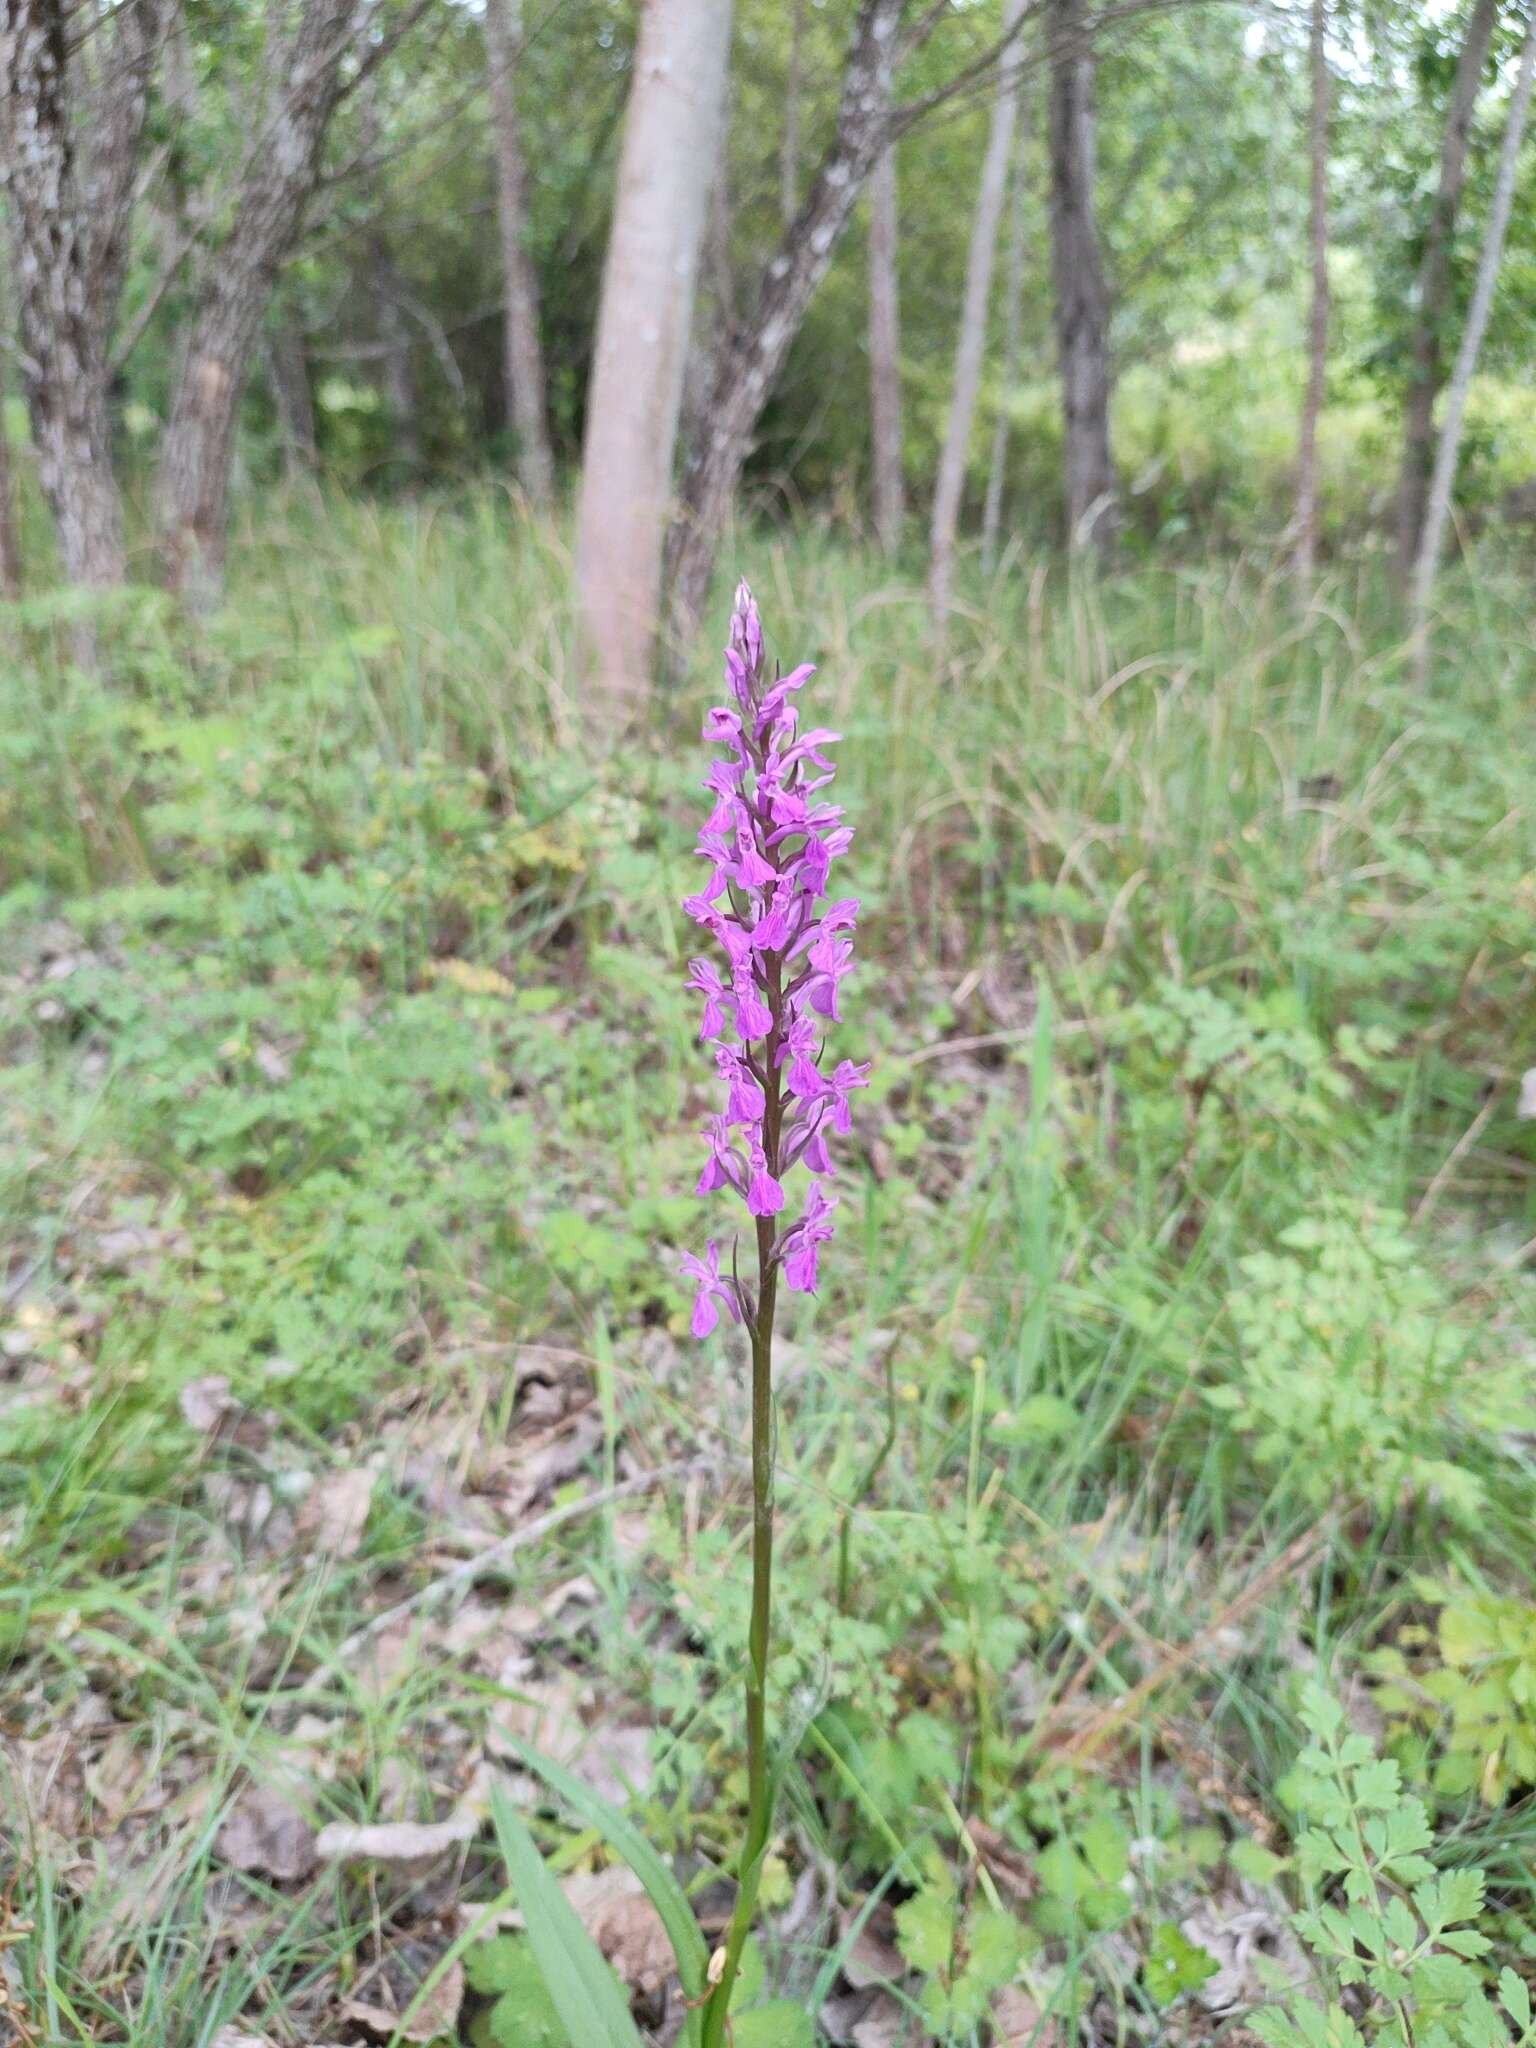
<point>523,352</point>
<point>232,292</point>
<point>288,375</point>
<point>1082,297</point>
<point>889,485</point>
<point>1317,353</point>
<point>671,138</point>
<point>400,394</point>
<point>749,367</point>
<point>1434,289</point>
<point>971,344</point>
<point>1438,504</point>
<point>789,141</point>
<point>69,216</point>
<point>10,536</point>
<point>1013,341</point>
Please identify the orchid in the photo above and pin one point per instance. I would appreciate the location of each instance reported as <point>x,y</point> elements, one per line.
<point>770,842</point>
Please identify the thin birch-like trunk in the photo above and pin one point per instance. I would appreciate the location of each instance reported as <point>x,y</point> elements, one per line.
<point>671,139</point>
<point>303,84</point>
<point>1442,478</point>
<point>1082,297</point>
<point>523,353</point>
<point>971,344</point>
<point>1317,354</point>
<point>1434,287</point>
<point>747,371</point>
<point>889,486</point>
<point>1013,342</point>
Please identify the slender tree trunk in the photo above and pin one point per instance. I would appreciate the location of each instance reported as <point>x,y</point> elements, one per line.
<point>1434,288</point>
<point>400,394</point>
<point>714,305</point>
<point>890,493</point>
<point>524,354</point>
<point>10,536</point>
<point>232,293</point>
<point>288,375</point>
<point>69,227</point>
<point>1317,357</point>
<point>971,345</point>
<point>671,138</point>
<point>1438,505</point>
<point>1013,342</point>
<point>748,369</point>
<point>1082,297</point>
<point>789,140</point>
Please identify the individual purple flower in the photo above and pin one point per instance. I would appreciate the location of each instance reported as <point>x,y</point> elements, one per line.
<point>705,1273</point>
<point>770,842</point>
<point>802,1241</point>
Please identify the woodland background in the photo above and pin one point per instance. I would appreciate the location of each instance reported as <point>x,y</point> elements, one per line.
<point>1128,407</point>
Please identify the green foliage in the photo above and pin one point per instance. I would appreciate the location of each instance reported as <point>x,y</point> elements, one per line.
<point>1175,1965</point>
<point>1357,1379</point>
<point>1478,1698</point>
<point>965,1951</point>
<point>524,2014</point>
<point>582,1988</point>
<point>1382,1919</point>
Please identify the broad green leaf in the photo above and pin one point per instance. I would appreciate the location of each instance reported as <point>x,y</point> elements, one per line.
<point>780,2025</point>
<point>661,1887</point>
<point>584,1990</point>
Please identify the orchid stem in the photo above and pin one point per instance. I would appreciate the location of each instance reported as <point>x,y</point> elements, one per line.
<point>759,1634</point>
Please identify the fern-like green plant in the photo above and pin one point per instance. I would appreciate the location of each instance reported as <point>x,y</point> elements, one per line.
<point>1380,1920</point>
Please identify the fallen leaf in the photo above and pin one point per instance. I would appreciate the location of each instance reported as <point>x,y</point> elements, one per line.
<point>334,1512</point>
<point>436,2018</point>
<point>559,1719</point>
<point>1012,1870</point>
<point>208,1406</point>
<point>265,1833</point>
<point>409,1841</point>
<point>1017,2022</point>
<point>611,1904</point>
<point>1527,1108</point>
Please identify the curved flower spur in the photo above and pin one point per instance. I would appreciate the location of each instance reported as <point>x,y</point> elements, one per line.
<point>785,945</point>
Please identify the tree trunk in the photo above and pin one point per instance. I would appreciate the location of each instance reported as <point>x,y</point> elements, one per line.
<point>288,375</point>
<point>748,369</point>
<point>1317,359</point>
<point>10,537</point>
<point>885,354</point>
<point>971,346</point>
<point>1082,298</point>
<point>524,355</point>
<point>671,138</point>
<point>400,394</point>
<point>1434,290</point>
<point>69,225</point>
<point>1013,341</point>
<point>789,141</point>
<point>1438,505</point>
<point>232,293</point>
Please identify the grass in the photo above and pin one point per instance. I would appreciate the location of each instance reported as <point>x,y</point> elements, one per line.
<point>348,1127</point>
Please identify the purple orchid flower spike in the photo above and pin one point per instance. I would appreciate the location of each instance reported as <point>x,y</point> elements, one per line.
<point>770,843</point>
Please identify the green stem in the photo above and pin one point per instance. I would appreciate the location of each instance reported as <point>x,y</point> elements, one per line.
<point>759,1634</point>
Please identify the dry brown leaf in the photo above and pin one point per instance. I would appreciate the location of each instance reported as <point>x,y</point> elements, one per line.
<point>872,1957</point>
<point>334,1512</point>
<point>208,1406</point>
<point>559,1718</point>
<point>1017,2022</point>
<point>436,2017</point>
<point>611,1904</point>
<point>1012,1870</point>
<point>409,1841</point>
<point>265,1833</point>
